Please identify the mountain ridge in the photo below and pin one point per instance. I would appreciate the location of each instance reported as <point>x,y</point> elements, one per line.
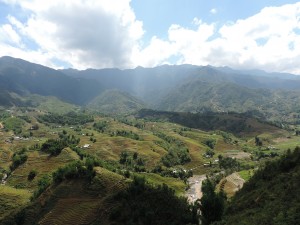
<point>186,88</point>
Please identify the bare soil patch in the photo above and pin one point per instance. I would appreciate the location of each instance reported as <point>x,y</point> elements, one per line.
<point>281,139</point>
<point>238,155</point>
<point>194,192</point>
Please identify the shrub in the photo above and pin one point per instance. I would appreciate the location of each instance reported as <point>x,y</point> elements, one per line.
<point>31,175</point>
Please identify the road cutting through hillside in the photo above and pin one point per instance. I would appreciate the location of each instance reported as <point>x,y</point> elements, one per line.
<point>195,184</point>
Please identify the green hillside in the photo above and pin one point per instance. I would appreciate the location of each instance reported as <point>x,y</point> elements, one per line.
<point>271,196</point>
<point>115,102</point>
<point>243,124</point>
<point>201,96</point>
<point>183,88</point>
<point>76,162</point>
<point>21,77</point>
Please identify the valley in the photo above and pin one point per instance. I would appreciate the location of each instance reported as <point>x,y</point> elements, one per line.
<point>119,146</point>
<point>161,151</point>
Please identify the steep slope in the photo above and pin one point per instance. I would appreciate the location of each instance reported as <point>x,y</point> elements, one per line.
<point>185,88</point>
<point>198,95</point>
<point>24,78</point>
<point>271,196</point>
<point>115,102</point>
<point>9,99</point>
<point>201,96</point>
<point>149,84</point>
<point>238,124</point>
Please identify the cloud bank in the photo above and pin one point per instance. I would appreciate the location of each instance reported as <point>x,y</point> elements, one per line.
<point>84,34</point>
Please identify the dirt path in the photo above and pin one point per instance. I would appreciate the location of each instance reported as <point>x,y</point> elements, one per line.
<point>194,192</point>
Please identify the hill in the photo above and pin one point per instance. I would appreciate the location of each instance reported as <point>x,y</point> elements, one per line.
<point>242,125</point>
<point>182,88</point>
<point>113,102</point>
<point>79,162</point>
<point>200,96</point>
<point>271,195</point>
<point>21,77</point>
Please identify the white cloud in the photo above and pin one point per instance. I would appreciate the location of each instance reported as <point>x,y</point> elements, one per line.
<point>269,40</point>
<point>9,35</point>
<point>213,11</point>
<point>83,33</point>
<point>106,33</point>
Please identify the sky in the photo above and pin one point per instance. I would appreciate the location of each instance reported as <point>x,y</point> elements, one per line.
<point>81,34</point>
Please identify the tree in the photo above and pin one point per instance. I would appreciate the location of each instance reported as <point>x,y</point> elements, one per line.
<point>31,175</point>
<point>258,142</point>
<point>212,203</point>
<point>123,157</point>
<point>211,143</point>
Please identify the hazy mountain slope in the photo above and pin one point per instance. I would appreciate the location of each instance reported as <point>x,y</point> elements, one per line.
<point>115,102</point>
<point>198,95</point>
<point>9,99</point>
<point>143,81</point>
<point>174,88</point>
<point>22,77</point>
<point>149,84</point>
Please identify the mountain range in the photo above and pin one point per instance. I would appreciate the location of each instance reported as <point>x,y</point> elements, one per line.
<point>182,88</point>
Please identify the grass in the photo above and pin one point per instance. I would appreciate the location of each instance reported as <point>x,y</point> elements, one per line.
<point>246,174</point>
<point>13,123</point>
<point>287,143</point>
<point>71,198</point>
<point>11,199</point>
<point>42,164</point>
<point>70,211</point>
<point>174,183</point>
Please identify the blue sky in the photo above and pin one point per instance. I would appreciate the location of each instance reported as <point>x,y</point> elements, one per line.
<point>158,15</point>
<point>248,34</point>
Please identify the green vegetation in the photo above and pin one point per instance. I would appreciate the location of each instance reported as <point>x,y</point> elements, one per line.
<point>229,163</point>
<point>53,147</point>
<point>178,153</point>
<point>70,118</point>
<point>144,204</point>
<point>14,124</point>
<point>18,159</point>
<point>11,199</point>
<point>32,174</point>
<point>112,102</point>
<point>43,183</point>
<point>175,183</point>
<point>100,126</point>
<point>246,174</point>
<point>71,169</point>
<point>132,161</point>
<point>238,124</point>
<point>124,133</point>
<point>176,156</point>
<point>75,170</point>
<point>212,204</point>
<point>271,196</point>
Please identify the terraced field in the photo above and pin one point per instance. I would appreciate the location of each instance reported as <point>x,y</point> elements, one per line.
<point>231,184</point>
<point>11,199</point>
<point>64,204</point>
<point>43,164</point>
<point>72,211</point>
